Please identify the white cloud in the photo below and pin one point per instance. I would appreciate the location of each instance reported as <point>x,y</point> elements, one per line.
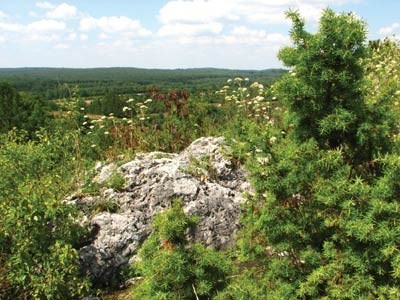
<point>42,30</point>
<point>244,31</point>
<point>389,29</point>
<point>72,36</point>
<point>62,11</point>
<point>197,11</point>
<point>33,14</point>
<point>34,27</point>
<point>103,36</point>
<point>3,15</point>
<point>242,34</point>
<point>46,26</point>
<point>190,29</point>
<point>114,24</point>
<point>255,11</point>
<point>83,37</point>
<point>278,38</point>
<point>239,36</point>
<point>42,37</point>
<point>88,23</point>
<point>44,5</point>
<point>11,27</point>
<point>61,46</point>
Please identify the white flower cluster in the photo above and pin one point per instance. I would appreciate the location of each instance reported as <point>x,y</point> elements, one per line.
<point>250,98</point>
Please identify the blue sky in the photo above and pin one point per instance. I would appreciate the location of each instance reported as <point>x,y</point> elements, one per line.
<point>236,34</point>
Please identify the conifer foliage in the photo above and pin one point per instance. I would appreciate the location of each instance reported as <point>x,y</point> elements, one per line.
<point>171,268</point>
<point>325,223</point>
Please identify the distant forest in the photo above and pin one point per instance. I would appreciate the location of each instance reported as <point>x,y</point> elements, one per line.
<point>55,83</point>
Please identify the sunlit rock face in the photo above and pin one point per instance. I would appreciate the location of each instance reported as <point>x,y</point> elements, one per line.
<point>202,177</point>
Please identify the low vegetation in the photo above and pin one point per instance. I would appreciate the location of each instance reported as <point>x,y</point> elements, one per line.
<point>169,268</point>
<point>321,145</point>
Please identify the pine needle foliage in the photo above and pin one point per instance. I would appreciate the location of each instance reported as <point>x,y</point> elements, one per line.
<point>324,223</point>
<point>326,89</point>
<point>173,269</point>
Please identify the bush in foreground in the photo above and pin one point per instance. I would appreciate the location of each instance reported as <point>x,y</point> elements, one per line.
<point>325,222</point>
<point>173,269</point>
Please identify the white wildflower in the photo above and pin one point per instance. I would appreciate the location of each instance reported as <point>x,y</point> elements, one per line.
<point>263,160</point>
<point>254,85</point>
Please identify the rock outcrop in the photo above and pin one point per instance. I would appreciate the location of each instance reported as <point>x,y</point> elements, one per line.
<point>207,183</point>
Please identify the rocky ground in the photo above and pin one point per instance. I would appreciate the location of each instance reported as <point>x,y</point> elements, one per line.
<point>202,177</point>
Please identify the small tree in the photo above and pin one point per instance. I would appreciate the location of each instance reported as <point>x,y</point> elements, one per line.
<point>326,225</point>
<point>325,91</point>
<point>171,268</point>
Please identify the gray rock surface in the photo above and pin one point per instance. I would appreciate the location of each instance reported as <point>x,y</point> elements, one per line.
<point>201,176</point>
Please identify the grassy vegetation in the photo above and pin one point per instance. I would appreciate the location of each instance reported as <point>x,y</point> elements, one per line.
<point>321,145</point>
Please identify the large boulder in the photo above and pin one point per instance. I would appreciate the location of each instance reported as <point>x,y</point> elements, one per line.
<point>202,177</point>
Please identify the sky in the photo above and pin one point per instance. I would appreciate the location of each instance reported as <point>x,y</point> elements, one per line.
<point>234,34</point>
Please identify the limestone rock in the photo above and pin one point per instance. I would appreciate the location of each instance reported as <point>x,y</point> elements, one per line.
<point>201,176</point>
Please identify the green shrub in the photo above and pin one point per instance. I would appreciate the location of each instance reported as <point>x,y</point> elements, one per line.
<point>172,269</point>
<point>38,230</point>
<point>323,224</point>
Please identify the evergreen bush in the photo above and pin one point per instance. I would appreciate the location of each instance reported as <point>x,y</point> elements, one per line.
<point>324,224</point>
<point>173,269</point>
